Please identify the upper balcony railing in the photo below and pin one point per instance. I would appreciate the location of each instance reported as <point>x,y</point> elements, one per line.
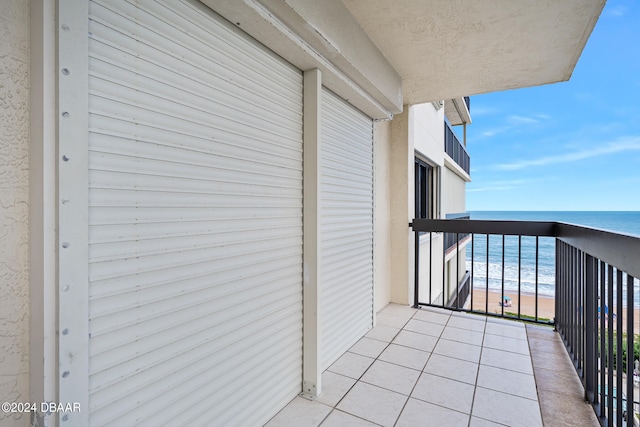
<point>467,101</point>
<point>455,149</point>
<point>590,277</point>
<point>451,239</point>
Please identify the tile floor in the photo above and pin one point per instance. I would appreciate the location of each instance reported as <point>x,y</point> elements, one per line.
<point>433,367</point>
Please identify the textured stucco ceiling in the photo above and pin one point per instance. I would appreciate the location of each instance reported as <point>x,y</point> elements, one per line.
<point>450,48</point>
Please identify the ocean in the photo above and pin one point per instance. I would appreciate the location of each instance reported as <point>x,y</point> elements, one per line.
<point>622,222</point>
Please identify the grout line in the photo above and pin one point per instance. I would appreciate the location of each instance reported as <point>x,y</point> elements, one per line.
<point>421,372</point>
<point>475,385</point>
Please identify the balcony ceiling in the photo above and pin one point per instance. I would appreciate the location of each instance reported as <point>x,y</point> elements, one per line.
<point>444,49</point>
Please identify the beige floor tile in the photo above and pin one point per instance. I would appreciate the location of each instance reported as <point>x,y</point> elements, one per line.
<point>405,356</point>
<point>463,335</point>
<point>415,340</point>
<point>444,392</point>
<point>342,419</point>
<point>506,344</point>
<point>516,383</point>
<point>423,414</point>
<point>458,350</point>
<point>351,365</point>
<point>508,331</point>
<point>468,322</point>
<point>334,387</point>
<point>300,412</point>
<point>455,369</point>
<point>383,333</point>
<point>507,360</point>
<point>431,315</point>
<point>426,328</point>
<point>373,403</point>
<point>368,347</point>
<point>506,408</point>
<point>405,311</point>
<point>391,320</point>
<point>479,422</point>
<point>392,377</point>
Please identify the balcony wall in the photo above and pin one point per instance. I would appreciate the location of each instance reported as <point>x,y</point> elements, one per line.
<point>14,199</point>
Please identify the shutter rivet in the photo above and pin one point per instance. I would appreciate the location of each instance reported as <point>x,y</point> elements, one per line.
<point>65,71</point>
<point>65,374</point>
<point>65,245</point>
<point>65,115</point>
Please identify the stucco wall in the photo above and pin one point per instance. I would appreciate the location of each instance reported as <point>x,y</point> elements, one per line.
<point>14,199</point>
<point>382,234</point>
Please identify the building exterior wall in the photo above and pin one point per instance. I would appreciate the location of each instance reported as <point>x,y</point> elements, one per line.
<point>427,132</point>
<point>401,209</point>
<point>419,129</point>
<point>382,214</point>
<point>14,199</point>
<point>453,193</point>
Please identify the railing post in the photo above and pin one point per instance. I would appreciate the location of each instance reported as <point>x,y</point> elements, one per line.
<point>619,344</point>
<point>457,271</point>
<point>416,269</point>
<point>630,348</point>
<point>591,329</point>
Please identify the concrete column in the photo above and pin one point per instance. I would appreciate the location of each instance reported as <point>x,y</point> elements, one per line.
<point>311,368</point>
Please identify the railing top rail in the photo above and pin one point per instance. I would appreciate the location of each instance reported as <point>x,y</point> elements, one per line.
<point>617,249</point>
<point>515,228</point>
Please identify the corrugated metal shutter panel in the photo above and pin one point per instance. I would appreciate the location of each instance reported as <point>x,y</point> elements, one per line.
<point>346,219</point>
<point>195,219</point>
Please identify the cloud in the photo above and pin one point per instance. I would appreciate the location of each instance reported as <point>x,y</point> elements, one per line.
<point>495,131</point>
<point>514,121</point>
<point>484,111</point>
<point>621,145</point>
<point>521,120</point>
<point>617,11</point>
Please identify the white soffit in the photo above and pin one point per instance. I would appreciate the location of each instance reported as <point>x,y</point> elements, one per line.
<point>445,49</point>
<point>457,112</point>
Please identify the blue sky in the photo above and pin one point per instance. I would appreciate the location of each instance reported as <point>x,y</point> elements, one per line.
<point>566,146</point>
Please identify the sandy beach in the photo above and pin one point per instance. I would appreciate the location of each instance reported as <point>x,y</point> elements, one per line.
<point>527,306</point>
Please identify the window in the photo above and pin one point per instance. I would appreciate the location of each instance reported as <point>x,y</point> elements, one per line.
<point>424,187</point>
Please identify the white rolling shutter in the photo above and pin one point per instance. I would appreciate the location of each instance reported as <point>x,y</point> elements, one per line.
<point>346,218</point>
<point>195,219</point>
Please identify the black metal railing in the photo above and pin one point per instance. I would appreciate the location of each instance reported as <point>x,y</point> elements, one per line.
<point>593,289</point>
<point>455,149</point>
<point>467,101</point>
